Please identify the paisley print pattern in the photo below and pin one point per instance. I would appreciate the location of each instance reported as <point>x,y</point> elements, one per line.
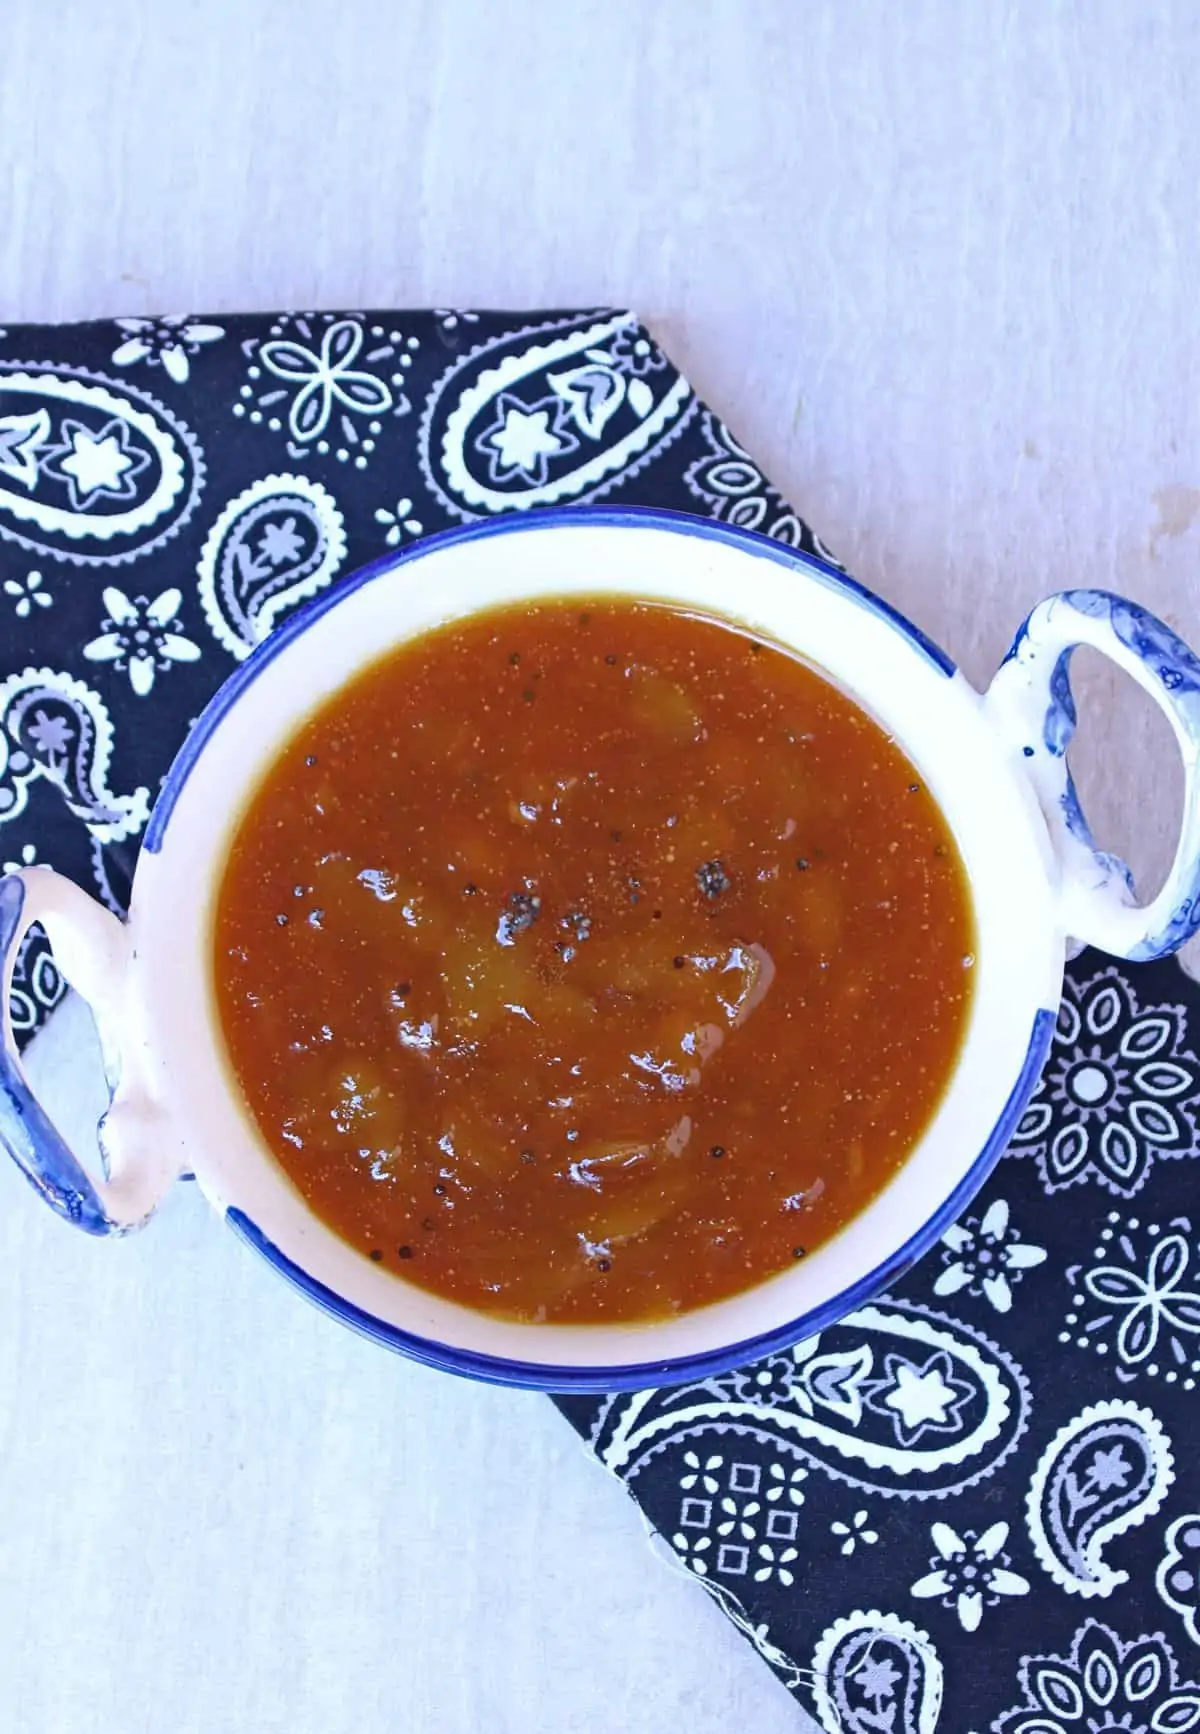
<point>893,1400</point>
<point>56,731</point>
<point>729,485</point>
<point>1139,1300</point>
<point>562,411</point>
<point>92,470</point>
<point>872,1671</point>
<point>279,542</point>
<point>1119,1091</point>
<point>1104,1685</point>
<point>1002,1439</point>
<point>326,382</point>
<point>1106,1471</point>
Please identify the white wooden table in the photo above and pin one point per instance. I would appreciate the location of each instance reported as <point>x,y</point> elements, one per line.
<point>937,263</point>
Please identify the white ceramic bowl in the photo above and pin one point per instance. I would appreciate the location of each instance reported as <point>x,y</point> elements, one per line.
<point>995,764</point>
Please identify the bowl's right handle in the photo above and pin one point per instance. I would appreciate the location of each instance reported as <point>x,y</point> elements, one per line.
<point>90,946</point>
<point>1030,701</point>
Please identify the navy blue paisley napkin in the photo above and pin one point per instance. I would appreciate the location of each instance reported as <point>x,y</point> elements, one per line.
<point>972,1504</point>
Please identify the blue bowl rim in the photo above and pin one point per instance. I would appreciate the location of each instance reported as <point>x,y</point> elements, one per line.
<point>636,1375</point>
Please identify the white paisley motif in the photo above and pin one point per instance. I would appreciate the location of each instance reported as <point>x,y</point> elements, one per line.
<point>1106,1471</point>
<point>1104,1685</point>
<point>280,541</point>
<point>876,1674</point>
<point>514,424</point>
<point>54,728</point>
<point>88,474</point>
<point>1178,1576</point>
<point>887,1400</point>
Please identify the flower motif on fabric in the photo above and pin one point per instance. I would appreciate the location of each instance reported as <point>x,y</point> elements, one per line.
<point>1178,1576</point>
<point>970,1572</point>
<point>141,637</point>
<point>400,522</point>
<point>854,1534</point>
<point>27,594</point>
<point>1119,1091</point>
<point>164,342</point>
<point>696,1551</point>
<point>772,1562</point>
<point>632,351</point>
<point>1104,1685</point>
<point>51,735</point>
<point>919,1397</point>
<point>95,463</point>
<point>1141,1300</point>
<point>986,1256</point>
<point>734,489</point>
<point>316,375</point>
<point>739,1517</point>
<point>751,1521</point>
<point>525,436</point>
<point>785,1485</point>
<point>700,1472</point>
<point>773,1381</point>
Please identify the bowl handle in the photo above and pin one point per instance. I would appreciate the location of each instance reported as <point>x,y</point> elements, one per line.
<point>1030,701</point>
<point>90,946</point>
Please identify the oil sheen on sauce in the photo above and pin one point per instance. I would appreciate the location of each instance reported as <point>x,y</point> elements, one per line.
<point>591,960</point>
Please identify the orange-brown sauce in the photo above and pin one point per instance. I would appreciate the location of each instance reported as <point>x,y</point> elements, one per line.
<point>591,960</point>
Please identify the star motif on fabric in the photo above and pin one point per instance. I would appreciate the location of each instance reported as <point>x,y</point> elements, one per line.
<point>1109,1469</point>
<point>919,1397</point>
<point>524,437</point>
<point>877,1678</point>
<point>95,462</point>
<point>280,543</point>
<point>21,438</point>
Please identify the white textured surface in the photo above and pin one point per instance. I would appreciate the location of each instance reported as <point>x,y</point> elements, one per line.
<point>937,263</point>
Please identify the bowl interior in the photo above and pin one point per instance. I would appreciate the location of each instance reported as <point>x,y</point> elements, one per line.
<point>911,690</point>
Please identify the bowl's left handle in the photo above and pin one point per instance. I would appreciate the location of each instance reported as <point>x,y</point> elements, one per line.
<point>90,948</point>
